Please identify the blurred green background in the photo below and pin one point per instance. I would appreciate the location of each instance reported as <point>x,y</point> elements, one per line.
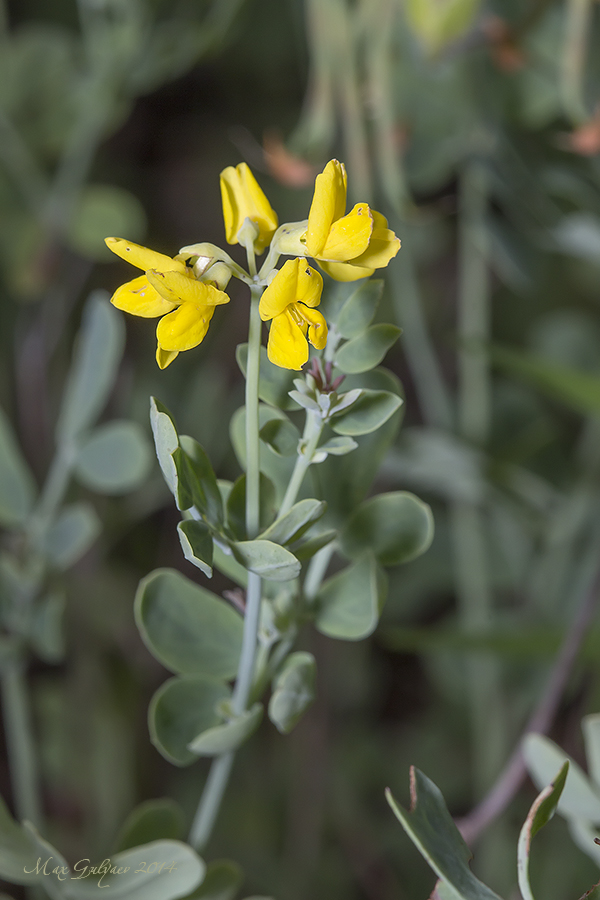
<point>474,128</point>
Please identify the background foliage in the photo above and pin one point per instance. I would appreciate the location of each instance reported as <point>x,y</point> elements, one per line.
<point>474,129</point>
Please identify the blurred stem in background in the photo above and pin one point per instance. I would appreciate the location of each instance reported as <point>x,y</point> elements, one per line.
<point>577,30</point>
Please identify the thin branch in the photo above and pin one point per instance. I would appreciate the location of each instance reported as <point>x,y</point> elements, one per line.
<point>513,774</point>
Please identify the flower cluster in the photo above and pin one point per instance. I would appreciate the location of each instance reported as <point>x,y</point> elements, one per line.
<point>184,290</point>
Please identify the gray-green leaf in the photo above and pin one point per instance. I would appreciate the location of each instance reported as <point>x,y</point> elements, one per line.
<point>17,487</point>
<point>179,710</point>
<point>293,691</point>
<point>72,534</point>
<point>396,526</point>
<point>539,815</point>
<point>367,350</point>
<point>94,367</point>
<point>189,629</point>
<point>359,310</point>
<point>269,560</point>
<point>368,413</point>
<point>293,524</point>
<point>166,441</point>
<point>229,736</point>
<point>151,821</point>
<point>114,458</point>
<point>349,603</point>
<point>197,544</point>
<point>430,827</point>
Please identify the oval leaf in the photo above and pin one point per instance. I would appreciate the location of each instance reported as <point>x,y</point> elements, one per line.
<point>350,602</point>
<point>293,691</point>
<point>152,821</point>
<point>197,544</point>
<point>180,709</point>
<point>397,527</point>
<point>367,350</point>
<point>269,560</point>
<point>178,871</point>
<point>166,441</point>
<point>72,534</point>
<point>291,526</point>
<point>368,413</point>
<point>222,881</point>
<point>189,629</point>
<point>114,458</point>
<point>227,737</point>
<point>94,368</point>
<point>358,311</point>
<point>539,815</point>
<point>543,758</point>
<point>17,489</point>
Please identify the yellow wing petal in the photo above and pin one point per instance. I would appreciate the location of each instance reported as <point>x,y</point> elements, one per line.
<point>328,205</point>
<point>345,271</point>
<point>310,284</point>
<point>349,237</point>
<point>287,346</point>
<point>317,326</point>
<point>142,257</point>
<point>180,288</point>
<point>139,298</point>
<point>185,327</point>
<point>164,358</point>
<point>281,292</point>
<point>383,245</point>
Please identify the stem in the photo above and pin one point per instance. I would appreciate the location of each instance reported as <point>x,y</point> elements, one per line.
<point>19,742</point>
<point>252,423</point>
<point>218,777</point>
<point>573,61</point>
<point>474,593</point>
<point>316,571</point>
<point>312,434</point>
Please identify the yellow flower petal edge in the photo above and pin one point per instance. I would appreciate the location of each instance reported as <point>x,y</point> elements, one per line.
<point>290,301</point>
<point>341,243</point>
<point>142,257</point>
<point>243,198</point>
<point>185,327</point>
<point>140,298</point>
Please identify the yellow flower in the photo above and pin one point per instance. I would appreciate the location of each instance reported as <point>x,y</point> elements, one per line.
<point>350,246</point>
<point>169,289</point>
<point>290,301</point>
<point>243,199</point>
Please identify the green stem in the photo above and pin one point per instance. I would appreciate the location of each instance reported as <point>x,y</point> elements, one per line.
<point>19,742</point>
<point>573,62</point>
<point>474,592</point>
<point>312,433</point>
<point>316,571</point>
<point>218,777</point>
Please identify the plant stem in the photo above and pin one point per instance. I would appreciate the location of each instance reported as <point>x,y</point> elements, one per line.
<point>218,777</point>
<point>573,62</point>
<point>312,433</point>
<point>474,593</point>
<point>19,741</point>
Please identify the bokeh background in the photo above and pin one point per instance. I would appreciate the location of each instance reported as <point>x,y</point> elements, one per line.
<point>474,127</point>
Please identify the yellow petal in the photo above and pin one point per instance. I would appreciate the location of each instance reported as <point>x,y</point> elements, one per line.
<point>345,271</point>
<point>383,245</point>
<point>281,292</point>
<point>142,257</point>
<point>185,327</point>
<point>317,326</point>
<point>287,346</point>
<point>349,237</point>
<point>164,358</point>
<point>180,288</point>
<point>328,205</point>
<point>141,299</point>
<point>310,284</point>
<point>242,198</point>
<point>296,280</point>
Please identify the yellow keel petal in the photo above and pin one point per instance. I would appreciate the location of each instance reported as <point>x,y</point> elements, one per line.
<point>185,327</point>
<point>164,358</point>
<point>139,298</point>
<point>287,346</point>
